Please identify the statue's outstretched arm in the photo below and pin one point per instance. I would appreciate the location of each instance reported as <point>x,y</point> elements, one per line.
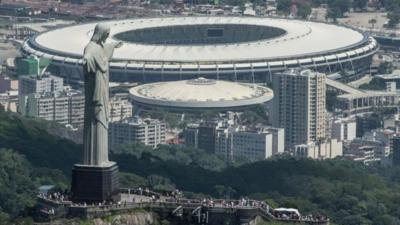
<point>109,48</point>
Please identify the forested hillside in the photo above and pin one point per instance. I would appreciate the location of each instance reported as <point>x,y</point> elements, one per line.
<point>348,192</point>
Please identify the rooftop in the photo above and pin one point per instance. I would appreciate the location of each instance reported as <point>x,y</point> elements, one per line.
<point>139,121</point>
<point>200,93</point>
<point>301,38</point>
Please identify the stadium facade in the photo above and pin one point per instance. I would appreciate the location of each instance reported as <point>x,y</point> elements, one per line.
<point>226,48</point>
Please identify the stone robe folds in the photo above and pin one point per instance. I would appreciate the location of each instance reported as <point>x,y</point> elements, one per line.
<point>95,137</point>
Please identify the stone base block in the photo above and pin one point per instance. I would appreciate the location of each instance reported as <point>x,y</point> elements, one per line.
<point>94,183</point>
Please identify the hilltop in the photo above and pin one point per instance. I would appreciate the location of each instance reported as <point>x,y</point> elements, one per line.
<point>348,192</point>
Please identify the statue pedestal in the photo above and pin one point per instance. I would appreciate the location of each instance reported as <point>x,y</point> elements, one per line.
<point>94,183</point>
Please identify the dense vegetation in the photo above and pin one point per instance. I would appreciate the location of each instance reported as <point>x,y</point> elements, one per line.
<point>338,8</point>
<point>345,190</point>
<point>303,7</point>
<point>348,192</point>
<point>254,115</point>
<point>335,8</point>
<point>30,138</point>
<point>374,84</point>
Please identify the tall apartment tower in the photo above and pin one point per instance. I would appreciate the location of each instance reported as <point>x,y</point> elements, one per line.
<point>299,106</point>
<point>150,132</point>
<point>34,84</point>
<point>206,136</point>
<point>395,148</point>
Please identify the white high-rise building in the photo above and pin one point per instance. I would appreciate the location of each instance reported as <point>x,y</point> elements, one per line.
<point>191,135</point>
<point>61,107</point>
<point>120,109</point>
<point>39,84</point>
<point>299,106</point>
<point>344,129</point>
<point>278,139</point>
<point>319,150</point>
<point>46,97</point>
<point>149,132</point>
<point>254,144</point>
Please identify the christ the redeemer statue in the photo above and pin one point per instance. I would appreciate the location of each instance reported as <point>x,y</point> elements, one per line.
<point>97,54</point>
<point>96,180</point>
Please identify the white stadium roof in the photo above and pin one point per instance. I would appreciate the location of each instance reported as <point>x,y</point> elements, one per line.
<point>200,93</point>
<point>302,38</point>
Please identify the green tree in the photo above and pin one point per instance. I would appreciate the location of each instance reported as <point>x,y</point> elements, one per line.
<point>130,180</point>
<point>337,8</point>
<point>160,183</point>
<point>16,188</point>
<point>331,100</point>
<point>255,115</point>
<point>348,192</point>
<point>390,4</point>
<point>284,6</point>
<point>385,68</point>
<point>4,218</point>
<point>359,4</point>
<point>333,13</point>
<point>374,84</point>
<point>394,17</point>
<point>372,22</point>
<point>304,10</point>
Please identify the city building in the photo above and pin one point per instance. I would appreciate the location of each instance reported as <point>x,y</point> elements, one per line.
<point>9,101</point>
<point>391,87</point>
<point>232,141</point>
<point>31,65</point>
<point>397,122</point>
<point>62,107</point>
<point>344,129</point>
<point>30,84</point>
<point>393,77</point>
<point>328,124</point>
<point>15,10</point>
<point>45,96</point>
<point>150,132</point>
<point>366,122</point>
<point>120,108</point>
<point>395,149</point>
<point>223,143</point>
<point>278,139</point>
<point>87,1</point>
<point>364,154</point>
<point>368,149</point>
<point>366,101</point>
<point>251,143</point>
<point>381,135</point>
<point>191,135</point>
<point>319,150</point>
<point>204,46</point>
<point>7,84</point>
<point>207,135</point>
<point>353,101</point>
<point>299,106</point>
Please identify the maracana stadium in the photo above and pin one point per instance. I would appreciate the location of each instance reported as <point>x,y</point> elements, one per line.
<point>221,48</point>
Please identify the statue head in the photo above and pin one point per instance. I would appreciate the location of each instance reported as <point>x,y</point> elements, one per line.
<point>101,33</point>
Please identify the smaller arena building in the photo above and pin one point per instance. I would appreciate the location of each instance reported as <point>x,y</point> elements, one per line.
<point>199,94</point>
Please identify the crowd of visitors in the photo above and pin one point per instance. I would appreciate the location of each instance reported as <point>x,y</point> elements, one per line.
<point>145,195</point>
